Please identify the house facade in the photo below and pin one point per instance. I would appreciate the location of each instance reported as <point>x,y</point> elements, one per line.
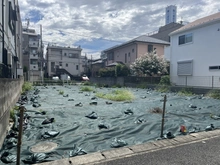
<point>65,60</point>
<point>10,39</point>
<point>128,52</point>
<point>31,54</point>
<point>195,53</point>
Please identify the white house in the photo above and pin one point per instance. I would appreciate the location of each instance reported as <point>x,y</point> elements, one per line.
<point>195,53</point>
<point>64,60</point>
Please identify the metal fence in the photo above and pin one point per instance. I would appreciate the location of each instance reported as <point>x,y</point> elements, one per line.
<point>196,81</point>
<point>5,71</point>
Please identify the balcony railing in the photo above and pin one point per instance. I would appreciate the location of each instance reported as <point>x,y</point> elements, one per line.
<point>5,71</point>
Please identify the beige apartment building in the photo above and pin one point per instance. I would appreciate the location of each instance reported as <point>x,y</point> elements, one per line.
<point>129,51</point>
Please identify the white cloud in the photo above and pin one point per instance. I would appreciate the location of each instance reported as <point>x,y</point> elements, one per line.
<point>68,22</point>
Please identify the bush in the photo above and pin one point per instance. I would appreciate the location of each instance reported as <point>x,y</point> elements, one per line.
<point>117,95</point>
<point>165,80</point>
<point>215,94</point>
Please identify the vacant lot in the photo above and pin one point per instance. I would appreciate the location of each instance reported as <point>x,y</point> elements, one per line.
<point>135,121</point>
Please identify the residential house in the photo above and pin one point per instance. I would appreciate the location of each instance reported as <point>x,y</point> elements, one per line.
<point>31,54</point>
<point>65,60</point>
<point>194,53</point>
<point>129,51</point>
<point>10,39</point>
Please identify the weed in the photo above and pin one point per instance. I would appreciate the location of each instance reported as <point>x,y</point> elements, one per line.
<point>215,94</point>
<point>156,110</point>
<point>117,95</point>
<point>185,92</point>
<point>86,89</point>
<point>61,92</point>
<point>162,88</point>
<point>27,86</point>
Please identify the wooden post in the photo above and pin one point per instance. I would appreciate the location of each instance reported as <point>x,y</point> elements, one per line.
<point>164,105</point>
<point>20,134</point>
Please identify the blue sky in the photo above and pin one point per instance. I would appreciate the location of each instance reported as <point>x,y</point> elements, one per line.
<point>97,25</point>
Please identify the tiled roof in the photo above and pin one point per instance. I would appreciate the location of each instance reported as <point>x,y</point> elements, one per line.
<point>143,38</point>
<point>198,23</point>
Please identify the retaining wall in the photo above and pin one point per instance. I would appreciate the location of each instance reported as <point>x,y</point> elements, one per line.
<point>10,90</point>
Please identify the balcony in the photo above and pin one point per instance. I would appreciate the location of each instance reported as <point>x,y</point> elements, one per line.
<point>33,44</point>
<point>34,56</point>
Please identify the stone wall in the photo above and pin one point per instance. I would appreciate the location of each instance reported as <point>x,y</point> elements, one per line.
<point>10,90</point>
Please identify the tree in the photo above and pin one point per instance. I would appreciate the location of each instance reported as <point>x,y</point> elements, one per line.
<point>149,65</point>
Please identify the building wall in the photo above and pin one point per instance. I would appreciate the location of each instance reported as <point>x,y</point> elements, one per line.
<point>170,15</point>
<point>10,90</point>
<point>60,56</point>
<point>136,50</point>
<point>143,49</point>
<point>203,51</point>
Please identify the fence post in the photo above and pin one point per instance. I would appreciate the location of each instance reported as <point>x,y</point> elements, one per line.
<point>20,134</point>
<point>212,81</point>
<point>164,106</point>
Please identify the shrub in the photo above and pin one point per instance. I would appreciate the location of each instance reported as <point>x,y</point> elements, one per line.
<point>149,65</point>
<point>117,95</point>
<point>215,94</point>
<point>165,80</point>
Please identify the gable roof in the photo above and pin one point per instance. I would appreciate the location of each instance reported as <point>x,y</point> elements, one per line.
<point>199,23</point>
<point>143,38</point>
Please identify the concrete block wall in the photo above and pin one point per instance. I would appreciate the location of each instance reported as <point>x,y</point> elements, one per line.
<point>10,90</point>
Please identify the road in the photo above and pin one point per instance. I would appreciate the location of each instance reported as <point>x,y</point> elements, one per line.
<point>206,152</point>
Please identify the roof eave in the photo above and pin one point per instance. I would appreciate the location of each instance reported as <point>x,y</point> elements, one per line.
<point>195,27</point>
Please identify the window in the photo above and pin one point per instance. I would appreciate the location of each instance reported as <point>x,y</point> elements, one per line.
<point>214,67</point>
<point>150,48</point>
<point>73,55</point>
<point>66,65</point>
<point>60,63</point>
<point>33,61</point>
<point>125,57</point>
<point>77,67</point>
<point>64,54</point>
<point>132,50</point>
<point>110,56</point>
<point>129,54</point>
<point>185,39</point>
<point>185,68</point>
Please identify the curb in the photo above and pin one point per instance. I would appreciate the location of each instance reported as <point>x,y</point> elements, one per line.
<point>108,155</point>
